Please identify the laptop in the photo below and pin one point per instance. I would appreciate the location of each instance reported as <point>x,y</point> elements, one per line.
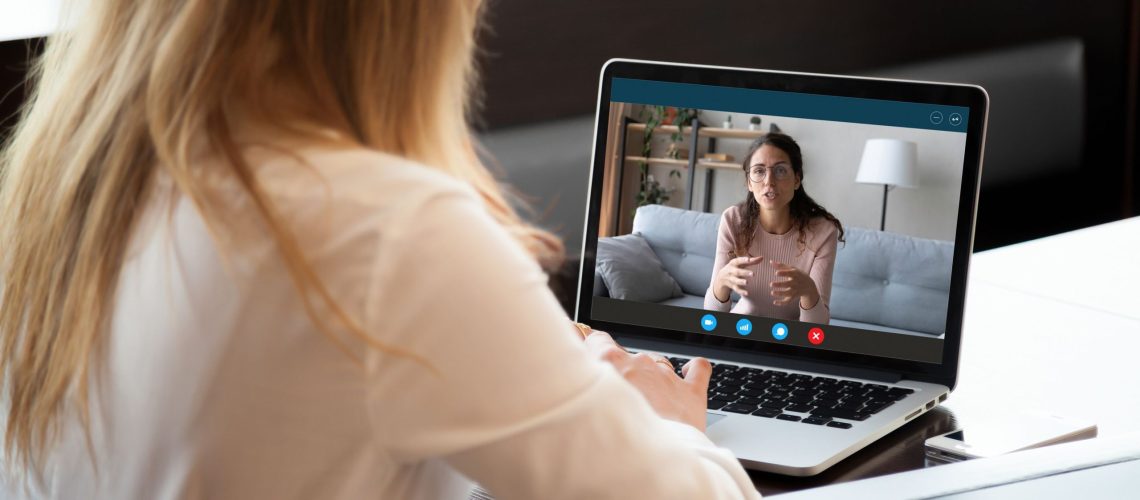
<point>684,155</point>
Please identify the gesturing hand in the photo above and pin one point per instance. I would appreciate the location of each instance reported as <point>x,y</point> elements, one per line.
<point>733,276</point>
<point>792,284</point>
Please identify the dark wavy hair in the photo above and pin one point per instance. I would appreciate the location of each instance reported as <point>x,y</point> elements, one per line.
<point>802,206</point>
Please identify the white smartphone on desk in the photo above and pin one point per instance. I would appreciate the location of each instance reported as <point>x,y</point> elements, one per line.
<point>1006,434</point>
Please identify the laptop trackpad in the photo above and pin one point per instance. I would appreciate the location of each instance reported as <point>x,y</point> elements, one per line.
<point>712,418</point>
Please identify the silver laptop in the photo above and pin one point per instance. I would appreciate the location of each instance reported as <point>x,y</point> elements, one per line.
<point>699,170</point>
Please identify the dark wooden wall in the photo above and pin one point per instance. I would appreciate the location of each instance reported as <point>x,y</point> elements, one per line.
<point>543,56</point>
<point>14,60</point>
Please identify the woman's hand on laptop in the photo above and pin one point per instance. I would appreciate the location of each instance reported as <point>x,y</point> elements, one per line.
<point>674,398</point>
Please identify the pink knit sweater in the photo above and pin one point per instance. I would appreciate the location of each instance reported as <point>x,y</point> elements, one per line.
<point>816,258</point>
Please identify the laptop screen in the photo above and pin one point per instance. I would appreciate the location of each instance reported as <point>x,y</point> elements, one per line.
<point>769,217</point>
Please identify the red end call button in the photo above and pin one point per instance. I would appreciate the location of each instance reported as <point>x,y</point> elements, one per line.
<point>815,336</point>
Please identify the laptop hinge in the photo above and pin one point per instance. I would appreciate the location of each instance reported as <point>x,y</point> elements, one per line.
<point>821,367</point>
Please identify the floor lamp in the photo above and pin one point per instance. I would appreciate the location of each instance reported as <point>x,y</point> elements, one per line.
<point>890,162</point>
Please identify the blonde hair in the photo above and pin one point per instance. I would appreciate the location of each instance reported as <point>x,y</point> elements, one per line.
<point>136,86</point>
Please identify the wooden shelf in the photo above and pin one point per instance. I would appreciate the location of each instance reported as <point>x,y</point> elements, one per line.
<point>719,164</point>
<point>659,161</point>
<point>725,133</point>
<point>684,163</point>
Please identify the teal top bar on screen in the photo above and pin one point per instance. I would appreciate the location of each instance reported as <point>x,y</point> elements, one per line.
<point>792,104</point>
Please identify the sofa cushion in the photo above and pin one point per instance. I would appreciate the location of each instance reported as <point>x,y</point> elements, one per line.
<point>684,240</point>
<point>685,300</point>
<point>892,280</point>
<point>631,271</point>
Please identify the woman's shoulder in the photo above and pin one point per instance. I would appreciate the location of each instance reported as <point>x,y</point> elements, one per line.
<point>358,176</point>
<point>821,230</point>
<point>732,214</point>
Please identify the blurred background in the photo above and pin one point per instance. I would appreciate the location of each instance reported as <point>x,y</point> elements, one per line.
<point>1062,79</point>
<point>1061,75</point>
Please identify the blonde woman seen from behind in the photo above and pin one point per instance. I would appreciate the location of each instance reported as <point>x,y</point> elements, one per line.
<point>249,252</point>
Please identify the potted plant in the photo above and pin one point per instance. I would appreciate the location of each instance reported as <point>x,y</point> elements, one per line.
<point>651,192</point>
<point>754,123</point>
<point>727,122</point>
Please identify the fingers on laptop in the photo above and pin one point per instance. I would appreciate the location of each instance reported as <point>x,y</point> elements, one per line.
<point>697,371</point>
<point>603,346</point>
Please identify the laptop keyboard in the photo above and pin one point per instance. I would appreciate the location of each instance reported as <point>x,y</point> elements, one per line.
<point>795,397</point>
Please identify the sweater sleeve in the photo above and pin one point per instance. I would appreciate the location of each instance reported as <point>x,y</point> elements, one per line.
<point>507,394</point>
<point>822,270</point>
<point>725,247</point>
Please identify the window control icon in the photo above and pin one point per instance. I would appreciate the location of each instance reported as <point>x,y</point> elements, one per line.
<point>708,322</point>
<point>815,336</point>
<point>744,327</point>
<point>779,331</point>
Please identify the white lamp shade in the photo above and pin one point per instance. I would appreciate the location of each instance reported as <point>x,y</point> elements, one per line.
<point>892,162</point>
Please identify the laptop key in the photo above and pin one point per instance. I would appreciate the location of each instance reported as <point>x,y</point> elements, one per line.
<point>846,415</point>
<point>775,405</point>
<point>766,412</point>
<point>828,396</point>
<point>716,404</point>
<point>839,425</point>
<point>723,369</point>
<point>739,408</point>
<point>733,382</point>
<point>752,372</point>
<point>798,408</point>
<point>790,418</point>
<point>750,401</point>
<point>815,420</point>
<point>894,395</point>
<point>754,393</point>
<point>877,407</point>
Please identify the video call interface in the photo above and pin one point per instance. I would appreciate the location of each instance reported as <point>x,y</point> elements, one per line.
<point>816,221</point>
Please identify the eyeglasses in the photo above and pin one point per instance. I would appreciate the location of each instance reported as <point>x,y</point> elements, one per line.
<point>779,172</point>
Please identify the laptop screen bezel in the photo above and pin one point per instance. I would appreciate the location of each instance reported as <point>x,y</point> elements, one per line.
<point>969,96</point>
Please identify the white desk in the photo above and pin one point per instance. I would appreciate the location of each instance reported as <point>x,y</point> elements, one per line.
<point>1096,268</point>
<point>1051,324</point>
<point>1054,324</point>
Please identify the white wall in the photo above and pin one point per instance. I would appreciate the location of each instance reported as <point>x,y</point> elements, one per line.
<point>28,18</point>
<point>832,151</point>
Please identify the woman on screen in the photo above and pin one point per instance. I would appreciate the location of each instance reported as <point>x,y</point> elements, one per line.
<point>776,249</point>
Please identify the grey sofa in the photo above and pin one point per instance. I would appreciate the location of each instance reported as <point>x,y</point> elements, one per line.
<point>883,281</point>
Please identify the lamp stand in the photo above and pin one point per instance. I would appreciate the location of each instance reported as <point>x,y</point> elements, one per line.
<point>883,220</point>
